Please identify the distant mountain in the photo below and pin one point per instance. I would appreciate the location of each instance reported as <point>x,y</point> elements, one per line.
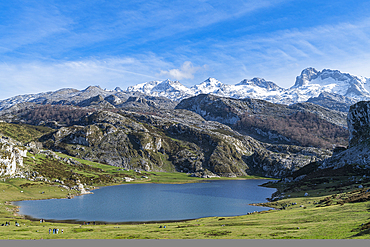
<point>344,89</point>
<point>173,90</point>
<point>303,124</point>
<point>256,88</point>
<point>92,96</point>
<point>333,101</point>
<point>328,88</point>
<point>312,83</point>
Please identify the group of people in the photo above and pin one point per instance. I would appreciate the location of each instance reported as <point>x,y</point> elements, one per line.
<point>55,230</point>
<point>8,224</point>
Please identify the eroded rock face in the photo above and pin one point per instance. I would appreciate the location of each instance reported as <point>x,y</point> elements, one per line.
<point>11,156</point>
<point>175,140</point>
<point>279,160</point>
<point>358,121</point>
<point>358,151</point>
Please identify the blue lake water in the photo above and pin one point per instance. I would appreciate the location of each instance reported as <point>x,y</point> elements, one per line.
<point>154,202</point>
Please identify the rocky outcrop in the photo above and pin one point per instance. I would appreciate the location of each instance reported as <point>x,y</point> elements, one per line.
<point>174,140</point>
<point>279,160</point>
<point>333,101</point>
<point>358,151</point>
<point>273,123</point>
<point>11,156</point>
<point>358,120</point>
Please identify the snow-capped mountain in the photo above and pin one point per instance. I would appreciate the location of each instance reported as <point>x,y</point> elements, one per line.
<point>311,83</point>
<point>211,85</point>
<point>331,85</point>
<point>68,95</point>
<point>173,90</point>
<point>255,88</point>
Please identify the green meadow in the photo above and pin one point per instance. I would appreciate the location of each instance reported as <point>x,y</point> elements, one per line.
<point>329,212</point>
<point>328,216</point>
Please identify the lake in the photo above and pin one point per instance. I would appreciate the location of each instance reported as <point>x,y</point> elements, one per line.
<point>154,202</point>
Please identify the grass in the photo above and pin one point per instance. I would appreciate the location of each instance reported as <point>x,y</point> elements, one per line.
<point>317,219</point>
<point>23,132</point>
<point>309,222</point>
<point>313,221</point>
<point>153,177</point>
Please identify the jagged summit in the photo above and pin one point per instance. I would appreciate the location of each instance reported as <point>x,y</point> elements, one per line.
<point>259,82</point>
<point>118,89</point>
<point>211,85</point>
<point>325,76</point>
<point>168,85</point>
<point>311,84</point>
<point>306,75</point>
<point>92,88</point>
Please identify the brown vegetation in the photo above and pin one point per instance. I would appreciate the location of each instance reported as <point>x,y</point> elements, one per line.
<point>59,113</point>
<point>302,128</point>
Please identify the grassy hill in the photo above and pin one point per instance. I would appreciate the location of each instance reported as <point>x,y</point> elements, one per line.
<point>23,132</point>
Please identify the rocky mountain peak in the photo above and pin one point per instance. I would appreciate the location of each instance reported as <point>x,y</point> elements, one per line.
<point>96,99</point>
<point>306,76</point>
<point>211,85</point>
<point>113,99</point>
<point>259,82</point>
<point>166,85</point>
<point>212,82</point>
<point>312,82</point>
<point>310,74</point>
<point>92,89</point>
<point>118,89</point>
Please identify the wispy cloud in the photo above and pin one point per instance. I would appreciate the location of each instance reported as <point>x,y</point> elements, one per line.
<point>30,25</point>
<point>283,54</point>
<point>186,71</point>
<point>34,77</point>
<point>47,45</point>
<point>60,30</point>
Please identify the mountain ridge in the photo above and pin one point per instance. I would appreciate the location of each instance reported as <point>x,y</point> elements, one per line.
<point>329,88</point>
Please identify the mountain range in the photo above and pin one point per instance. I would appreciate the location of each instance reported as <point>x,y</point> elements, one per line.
<point>329,88</point>
<point>207,130</point>
<point>310,84</point>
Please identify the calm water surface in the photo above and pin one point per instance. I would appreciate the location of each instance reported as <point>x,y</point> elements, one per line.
<point>154,202</point>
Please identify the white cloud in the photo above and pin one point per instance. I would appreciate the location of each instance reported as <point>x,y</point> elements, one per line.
<point>186,71</point>
<point>281,56</point>
<point>36,77</point>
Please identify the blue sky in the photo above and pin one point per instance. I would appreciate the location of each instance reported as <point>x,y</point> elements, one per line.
<point>48,45</point>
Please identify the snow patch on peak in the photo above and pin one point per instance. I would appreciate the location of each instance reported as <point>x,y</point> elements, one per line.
<point>312,82</point>
<point>173,90</point>
<point>259,82</point>
<point>168,85</point>
<point>306,76</point>
<point>92,88</point>
<point>211,85</point>
<point>145,87</point>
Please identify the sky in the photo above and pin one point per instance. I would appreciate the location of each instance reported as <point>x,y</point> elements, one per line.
<point>48,45</point>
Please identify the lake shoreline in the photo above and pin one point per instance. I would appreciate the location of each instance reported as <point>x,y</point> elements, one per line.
<point>81,222</point>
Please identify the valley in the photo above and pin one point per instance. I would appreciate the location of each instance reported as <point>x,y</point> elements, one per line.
<point>313,149</point>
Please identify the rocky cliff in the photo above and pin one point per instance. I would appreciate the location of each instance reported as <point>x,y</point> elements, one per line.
<point>358,149</point>
<point>175,140</point>
<point>304,124</point>
<point>11,156</point>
